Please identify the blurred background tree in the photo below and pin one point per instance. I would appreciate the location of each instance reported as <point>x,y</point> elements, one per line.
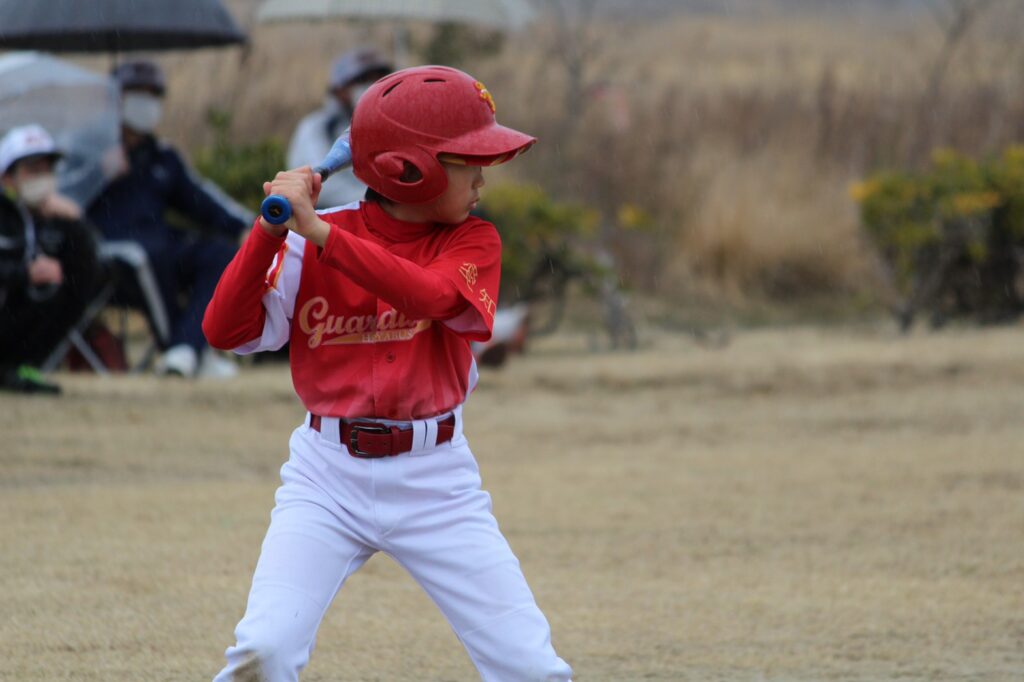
<point>459,45</point>
<point>240,169</point>
<point>952,235</point>
<point>535,231</point>
<point>734,128</point>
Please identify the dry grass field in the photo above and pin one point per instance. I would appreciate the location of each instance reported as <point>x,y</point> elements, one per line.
<point>803,504</point>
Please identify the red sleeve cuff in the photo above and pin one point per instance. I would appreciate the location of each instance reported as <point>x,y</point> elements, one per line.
<point>325,254</point>
<point>263,241</point>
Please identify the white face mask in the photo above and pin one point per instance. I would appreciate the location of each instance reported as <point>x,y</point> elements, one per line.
<point>357,92</point>
<point>35,190</point>
<point>141,111</point>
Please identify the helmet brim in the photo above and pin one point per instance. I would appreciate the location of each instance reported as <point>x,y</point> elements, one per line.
<point>488,146</point>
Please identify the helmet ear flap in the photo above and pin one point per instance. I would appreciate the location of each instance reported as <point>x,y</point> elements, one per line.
<point>397,184</point>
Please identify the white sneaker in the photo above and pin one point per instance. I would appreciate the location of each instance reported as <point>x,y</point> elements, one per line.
<point>178,360</point>
<point>213,365</point>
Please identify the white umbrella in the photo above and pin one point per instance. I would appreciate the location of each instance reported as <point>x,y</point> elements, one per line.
<point>78,107</point>
<point>505,15</point>
<point>497,14</point>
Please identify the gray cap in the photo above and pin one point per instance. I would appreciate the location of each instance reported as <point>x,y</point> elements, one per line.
<point>140,74</point>
<point>354,64</point>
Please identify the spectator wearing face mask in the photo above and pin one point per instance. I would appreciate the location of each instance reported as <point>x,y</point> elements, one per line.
<point>186,263</point>
<point>48,266</point>
<point>351,75</point>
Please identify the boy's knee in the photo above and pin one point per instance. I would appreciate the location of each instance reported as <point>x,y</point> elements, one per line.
<point>517,647</point>
<point>523,663</point>
<point>543,667</point>
<point>269,654</point>
<point>250,669</point>
<point>266,661</point>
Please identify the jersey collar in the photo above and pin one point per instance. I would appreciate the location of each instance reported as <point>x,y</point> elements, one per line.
<point>383,225</point>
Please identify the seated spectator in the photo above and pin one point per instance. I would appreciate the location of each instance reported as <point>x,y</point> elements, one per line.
<point>351,74</point>
<point>186,263</point>
<point>48,266</point>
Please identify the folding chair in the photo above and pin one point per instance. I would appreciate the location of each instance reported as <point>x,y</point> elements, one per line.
<point>132,285</point>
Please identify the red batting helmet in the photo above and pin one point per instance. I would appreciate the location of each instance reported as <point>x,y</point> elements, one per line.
<point>415,115</point>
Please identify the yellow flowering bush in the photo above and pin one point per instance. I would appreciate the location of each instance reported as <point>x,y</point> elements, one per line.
<point>957,211</point>
<point>533,225</point>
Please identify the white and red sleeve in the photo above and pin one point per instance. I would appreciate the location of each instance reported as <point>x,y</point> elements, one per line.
<point>252,307</point>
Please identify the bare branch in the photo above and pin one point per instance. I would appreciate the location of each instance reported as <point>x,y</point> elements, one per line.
<point>956,18</point>
<point>965,14</point>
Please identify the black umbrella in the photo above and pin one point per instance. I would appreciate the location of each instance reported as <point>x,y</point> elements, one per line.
<point>115,25</point>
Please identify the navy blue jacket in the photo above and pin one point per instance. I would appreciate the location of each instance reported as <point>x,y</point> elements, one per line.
<point>23,236</point>
<point>133,206</point>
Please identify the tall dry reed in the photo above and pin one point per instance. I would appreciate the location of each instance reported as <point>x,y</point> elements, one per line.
<point>738,138</point>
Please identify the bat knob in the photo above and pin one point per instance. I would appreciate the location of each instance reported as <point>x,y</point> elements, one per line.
<point>276,209</point>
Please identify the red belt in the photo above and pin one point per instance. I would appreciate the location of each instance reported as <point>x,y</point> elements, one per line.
<point>373,440</point>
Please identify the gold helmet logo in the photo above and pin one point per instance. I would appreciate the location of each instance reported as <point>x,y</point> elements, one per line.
<point>485,95</point>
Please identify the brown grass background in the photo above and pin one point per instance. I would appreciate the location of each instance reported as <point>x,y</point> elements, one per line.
<point>740,134</point>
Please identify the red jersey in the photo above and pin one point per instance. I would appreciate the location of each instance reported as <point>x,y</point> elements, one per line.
<point>379,321</point>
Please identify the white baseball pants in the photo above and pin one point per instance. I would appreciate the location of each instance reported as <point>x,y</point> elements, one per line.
<point>424,509</point>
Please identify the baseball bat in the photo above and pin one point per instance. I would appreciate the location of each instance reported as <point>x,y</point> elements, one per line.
<point>276,209</point>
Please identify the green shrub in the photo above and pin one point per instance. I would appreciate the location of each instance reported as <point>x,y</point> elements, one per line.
<point>238,169</point>
<point>457,45</point>
<point>533,227</point>
<point>956,197</point>
<point>1007,180</point>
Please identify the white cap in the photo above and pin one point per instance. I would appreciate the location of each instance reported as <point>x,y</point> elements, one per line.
<point>24,141</point>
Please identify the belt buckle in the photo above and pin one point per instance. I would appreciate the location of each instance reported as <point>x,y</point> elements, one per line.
<point>353,439</point>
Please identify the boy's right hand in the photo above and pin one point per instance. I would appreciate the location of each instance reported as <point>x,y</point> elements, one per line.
<point>45,270</point>
<point>301,187</point>
<point>59,206</point>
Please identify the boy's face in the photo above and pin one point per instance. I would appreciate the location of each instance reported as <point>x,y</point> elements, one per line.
<point>32,178</point>
<point>31,167</point>
<point>461,196</point>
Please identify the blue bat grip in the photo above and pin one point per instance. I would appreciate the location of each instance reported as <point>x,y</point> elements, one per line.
<point>276,209</point>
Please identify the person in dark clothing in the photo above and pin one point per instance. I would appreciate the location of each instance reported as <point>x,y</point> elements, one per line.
<point>187,265</point>
<point>48,266</point>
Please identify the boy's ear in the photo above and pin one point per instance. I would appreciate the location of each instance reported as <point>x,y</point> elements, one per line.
<point>409,175</point>
<point>390,165</point>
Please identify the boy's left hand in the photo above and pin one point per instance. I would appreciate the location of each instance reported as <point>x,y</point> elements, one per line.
<point>59,206</point>
<point>301,187</point>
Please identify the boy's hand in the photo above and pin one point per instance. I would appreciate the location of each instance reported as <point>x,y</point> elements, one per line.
<point>59,206</point>
<point>45,270</point>
<point>301,187</point>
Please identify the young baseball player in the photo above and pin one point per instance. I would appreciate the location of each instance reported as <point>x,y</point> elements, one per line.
<point>380,300</point>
